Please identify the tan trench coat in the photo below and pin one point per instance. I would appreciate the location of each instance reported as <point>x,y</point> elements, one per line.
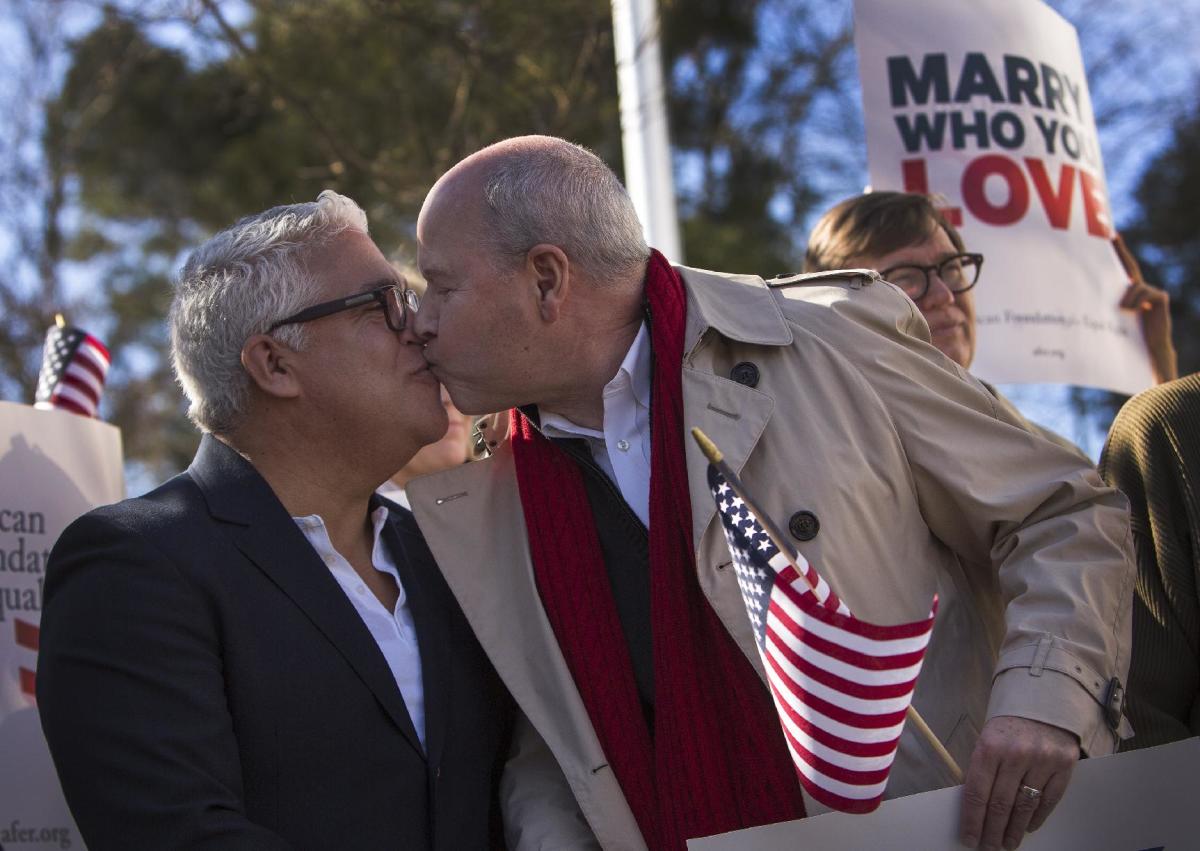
<point>922,483</point>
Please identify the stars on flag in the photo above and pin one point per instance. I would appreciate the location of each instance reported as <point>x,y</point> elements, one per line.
<point>74,368</point>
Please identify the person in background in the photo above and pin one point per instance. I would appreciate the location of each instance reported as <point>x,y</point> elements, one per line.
<point>261,653</point>
<point>904,238</point>
<point>452,449</point>
<point>1153,456</point>
<point>588,558</point>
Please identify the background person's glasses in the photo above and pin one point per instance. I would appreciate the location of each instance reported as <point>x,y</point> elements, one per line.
<point>395,299</point>
<point>959,273</point>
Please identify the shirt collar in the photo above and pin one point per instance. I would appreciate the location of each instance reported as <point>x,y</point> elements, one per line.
<point>314,524</point>
<point>634,369</point>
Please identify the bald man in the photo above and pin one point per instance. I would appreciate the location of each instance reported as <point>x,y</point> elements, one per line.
<point>586,554</point>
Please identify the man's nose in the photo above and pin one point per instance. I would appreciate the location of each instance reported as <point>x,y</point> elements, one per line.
<point>938,293</point>
<point>423,323</point>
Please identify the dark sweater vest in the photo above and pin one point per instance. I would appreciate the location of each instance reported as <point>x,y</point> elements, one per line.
<point>625,544</point>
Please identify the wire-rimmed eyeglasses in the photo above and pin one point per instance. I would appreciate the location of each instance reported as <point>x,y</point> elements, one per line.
<point>396,300</point>
<point>959,273</point>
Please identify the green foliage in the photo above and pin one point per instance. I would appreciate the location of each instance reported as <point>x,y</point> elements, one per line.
<point>374,99</point>
<point>151,144</point>
<point>751,91</point>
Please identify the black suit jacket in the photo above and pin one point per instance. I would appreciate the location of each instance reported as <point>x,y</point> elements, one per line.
<point>204,682</point>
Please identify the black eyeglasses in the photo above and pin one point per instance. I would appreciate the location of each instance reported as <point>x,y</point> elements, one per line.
<point>959,273</point>
<point>395,299</point>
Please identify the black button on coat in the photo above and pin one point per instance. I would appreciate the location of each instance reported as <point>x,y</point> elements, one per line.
<point>804,525</point>
<point>745,373</point>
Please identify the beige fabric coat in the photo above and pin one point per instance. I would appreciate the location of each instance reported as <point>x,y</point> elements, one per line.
<point>921,483</point>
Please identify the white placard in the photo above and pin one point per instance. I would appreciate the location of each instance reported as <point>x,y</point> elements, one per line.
<point>986,103</point>
<point>54,466</point>
<point>1138,801</point>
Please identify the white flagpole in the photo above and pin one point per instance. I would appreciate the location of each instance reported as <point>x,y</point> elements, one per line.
<point>644,138</point>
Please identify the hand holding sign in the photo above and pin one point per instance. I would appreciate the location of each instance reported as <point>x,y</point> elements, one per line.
<point>1018,774</point>
<point>1153,306</point>
<point>986,104</point>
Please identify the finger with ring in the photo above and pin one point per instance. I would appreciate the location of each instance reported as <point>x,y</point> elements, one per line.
<point>1052,792</point>
<point>1025,807</point>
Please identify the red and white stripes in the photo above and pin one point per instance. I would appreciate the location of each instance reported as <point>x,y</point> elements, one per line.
<point>81,382</point>
<point>27,640</point>
<point>842,687</point>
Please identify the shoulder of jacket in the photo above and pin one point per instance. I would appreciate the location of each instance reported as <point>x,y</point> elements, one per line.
<point>845,301</point>
<point>850,278</point>
<point>173,500</point>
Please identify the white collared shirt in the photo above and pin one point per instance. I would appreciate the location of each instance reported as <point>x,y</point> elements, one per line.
<point>393,631</point>
<point>622,449</point>
<point>391,490</point>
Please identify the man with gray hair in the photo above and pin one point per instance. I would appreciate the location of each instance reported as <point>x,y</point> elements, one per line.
<point>261,653</point>
<point>588,558</point>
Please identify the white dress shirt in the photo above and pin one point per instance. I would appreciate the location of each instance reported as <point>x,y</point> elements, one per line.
<point>391,490</point>
<point>622,449</point>
<point>393,631</point>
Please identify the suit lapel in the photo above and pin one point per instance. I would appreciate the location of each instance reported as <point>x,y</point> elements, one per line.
<point>433,632</point>
<point>264,532</point>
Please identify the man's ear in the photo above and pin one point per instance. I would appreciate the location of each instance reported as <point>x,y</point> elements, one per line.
<point>552,277</point>
<point>269,364</point>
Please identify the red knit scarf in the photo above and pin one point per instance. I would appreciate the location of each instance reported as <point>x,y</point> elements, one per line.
<point>717,760</point>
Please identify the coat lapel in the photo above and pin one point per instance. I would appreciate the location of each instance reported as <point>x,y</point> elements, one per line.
<point>740,308</point>
<point>472,519</point>
<point>265,533</point>
<point>734,417</point>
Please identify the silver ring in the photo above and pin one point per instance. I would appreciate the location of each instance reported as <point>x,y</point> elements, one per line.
<point>1030,792</point>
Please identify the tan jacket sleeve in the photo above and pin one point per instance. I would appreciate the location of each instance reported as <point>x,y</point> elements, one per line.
<point>1004,498</point>
<point>538,807</point>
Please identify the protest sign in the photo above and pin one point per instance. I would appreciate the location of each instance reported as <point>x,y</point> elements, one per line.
<point>54,466</point>
<point>1137,801</point>
<point>986,104</point>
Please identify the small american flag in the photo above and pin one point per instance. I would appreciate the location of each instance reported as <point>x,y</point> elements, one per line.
<point>841,686</point>
<point>74,366</point>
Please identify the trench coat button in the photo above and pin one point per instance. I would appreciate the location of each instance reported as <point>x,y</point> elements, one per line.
<point>745,373</point>
<point>804,525</point>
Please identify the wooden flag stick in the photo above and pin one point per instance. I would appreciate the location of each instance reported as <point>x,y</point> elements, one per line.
<point>718,460</point>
